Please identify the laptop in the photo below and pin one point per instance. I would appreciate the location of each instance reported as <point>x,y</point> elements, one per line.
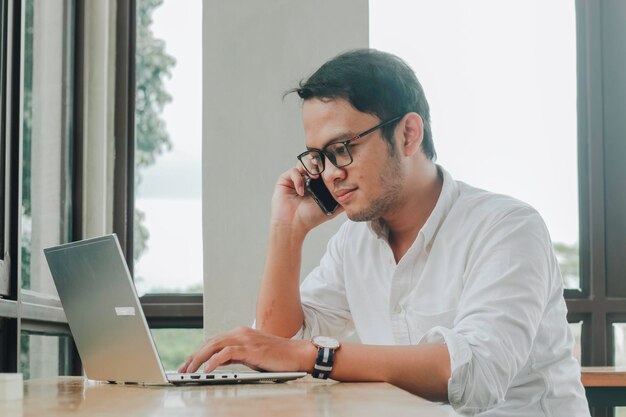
<point>108,324</point>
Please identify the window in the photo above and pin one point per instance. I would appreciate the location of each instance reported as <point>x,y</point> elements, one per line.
<point>45,355</point>
<point>168,222</point>
<point>37,151</point>
<point>45,209</point>
<point>167,242</point>
<point>45,217</point>
<point>4,276</point>
<point>55,89</point>
<point>175,345</point>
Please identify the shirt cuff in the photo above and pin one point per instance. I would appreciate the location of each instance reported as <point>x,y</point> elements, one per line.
<point>298,336</point>
<point>460,356</point>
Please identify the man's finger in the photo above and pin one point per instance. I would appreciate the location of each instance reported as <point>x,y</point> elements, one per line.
<point>225,356</point>
<point>204,353</point>
<point>297,180</point>
<point>183,367</point>
<point>216,344</point>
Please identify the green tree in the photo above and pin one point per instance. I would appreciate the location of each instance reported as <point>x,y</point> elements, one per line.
<point>175,345</point>
<point>27,140</point>
<point>153,64</point>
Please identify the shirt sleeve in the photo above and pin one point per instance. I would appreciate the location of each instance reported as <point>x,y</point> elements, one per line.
<point>507,283</point>
<point>323,294</point>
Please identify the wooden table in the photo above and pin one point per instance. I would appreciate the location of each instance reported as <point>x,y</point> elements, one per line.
<point>605,386</point>
<point>74,396</point>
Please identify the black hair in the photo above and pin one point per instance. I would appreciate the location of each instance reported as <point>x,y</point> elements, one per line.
<point>373,82</point>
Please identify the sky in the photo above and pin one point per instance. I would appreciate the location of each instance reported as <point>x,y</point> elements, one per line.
<point>500,78</point>
<point>171,190</point>
<point>181,29</point>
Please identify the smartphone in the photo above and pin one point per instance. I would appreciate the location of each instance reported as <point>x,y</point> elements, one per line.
<point>321,195</point>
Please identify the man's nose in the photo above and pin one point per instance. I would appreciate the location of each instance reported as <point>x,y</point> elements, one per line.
<point>331,172</point>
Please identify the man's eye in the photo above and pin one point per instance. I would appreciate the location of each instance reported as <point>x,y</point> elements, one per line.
<point>339,150</point>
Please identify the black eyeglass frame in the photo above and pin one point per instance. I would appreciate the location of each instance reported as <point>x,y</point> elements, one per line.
<point>346,143</point>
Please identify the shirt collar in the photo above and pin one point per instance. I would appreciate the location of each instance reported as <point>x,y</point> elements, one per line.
<point>447,197</point>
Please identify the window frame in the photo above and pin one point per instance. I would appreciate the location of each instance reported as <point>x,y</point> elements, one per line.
<point>24,310</point>
<point>599,303</point>
<point>593,304</point>
<point>161,310</point>
<point>4,276</point>
<point>596,304</point>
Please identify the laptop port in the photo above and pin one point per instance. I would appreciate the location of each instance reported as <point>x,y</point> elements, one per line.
<point>195,376</point>
<point>209,377</point>
<point>224,376</point>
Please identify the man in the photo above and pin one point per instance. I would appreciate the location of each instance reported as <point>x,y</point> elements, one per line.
<point>454,292</point>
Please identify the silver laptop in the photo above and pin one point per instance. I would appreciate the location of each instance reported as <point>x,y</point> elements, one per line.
<point>108,324</point>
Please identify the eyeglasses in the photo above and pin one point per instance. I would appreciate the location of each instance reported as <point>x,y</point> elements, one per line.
<point>338,153</point>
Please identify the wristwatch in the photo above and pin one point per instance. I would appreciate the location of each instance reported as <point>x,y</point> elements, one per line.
<point>326,347</point>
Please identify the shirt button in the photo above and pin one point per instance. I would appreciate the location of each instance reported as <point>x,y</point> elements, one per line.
<point>397,309</point>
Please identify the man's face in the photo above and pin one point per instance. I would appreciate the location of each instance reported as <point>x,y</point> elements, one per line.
<point>370,186</point>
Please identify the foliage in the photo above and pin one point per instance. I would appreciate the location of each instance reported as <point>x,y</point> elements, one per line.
<point>175,345</point>
<point>27,133</point>
<point>24,358</point>
<point>140,235</point>
<point>27,127</point>
<point>152,139</point>
<point>25,264</point>
<point>153,63</point>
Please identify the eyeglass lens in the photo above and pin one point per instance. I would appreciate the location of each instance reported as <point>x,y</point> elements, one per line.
<point>337,153</point>
<point>313,161</point>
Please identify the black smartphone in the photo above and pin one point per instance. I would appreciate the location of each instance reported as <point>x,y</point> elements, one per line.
<point>321,195</point>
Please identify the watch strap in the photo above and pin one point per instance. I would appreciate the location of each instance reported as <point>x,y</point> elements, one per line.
<point>324,363</point>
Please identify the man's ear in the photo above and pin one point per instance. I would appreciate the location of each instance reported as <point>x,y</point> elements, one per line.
<point>412,133</point>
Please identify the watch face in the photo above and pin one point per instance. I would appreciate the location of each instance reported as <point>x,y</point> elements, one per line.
<point>325,342</point>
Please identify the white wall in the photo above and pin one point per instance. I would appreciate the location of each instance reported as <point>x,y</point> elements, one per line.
<point>253,51</point>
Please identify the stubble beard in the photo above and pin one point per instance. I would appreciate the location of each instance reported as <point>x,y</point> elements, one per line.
<point>391,184</point>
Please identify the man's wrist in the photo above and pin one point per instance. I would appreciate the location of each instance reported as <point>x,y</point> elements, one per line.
<point>308,355</point>
<point>288,230</point>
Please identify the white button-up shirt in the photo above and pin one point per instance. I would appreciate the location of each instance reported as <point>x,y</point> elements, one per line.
<point>482,278</point>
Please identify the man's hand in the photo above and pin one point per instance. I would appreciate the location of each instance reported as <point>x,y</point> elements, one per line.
<point>255,349</point>
<point>291,206</point>
<point>421,369</point>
